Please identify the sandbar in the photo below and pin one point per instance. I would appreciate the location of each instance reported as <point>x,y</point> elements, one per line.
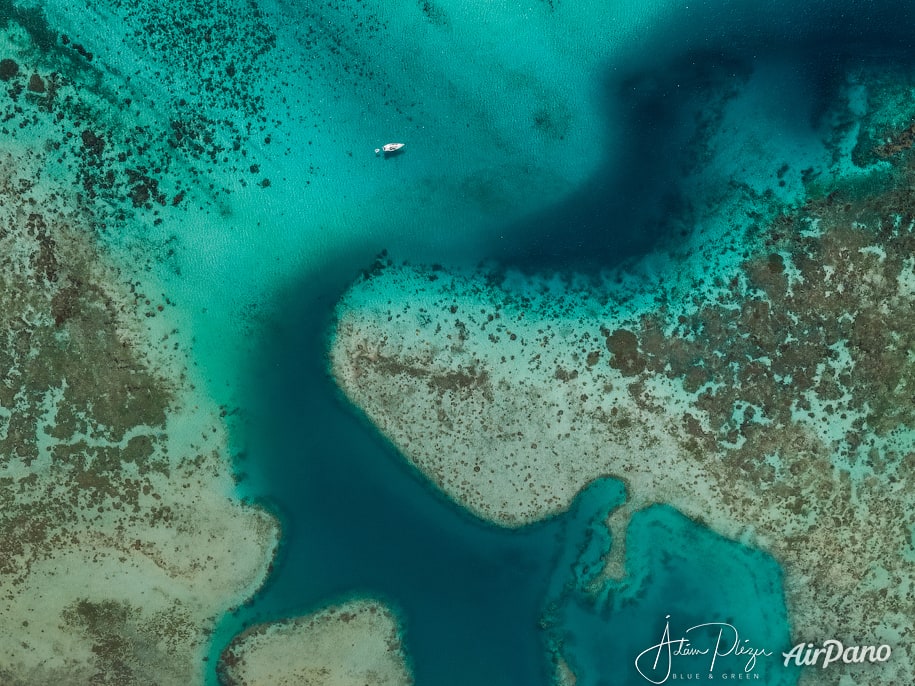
<point>356,642</point>
<point>122,538</point>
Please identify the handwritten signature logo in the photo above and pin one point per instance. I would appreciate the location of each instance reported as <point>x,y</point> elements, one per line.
<point>655,664</point>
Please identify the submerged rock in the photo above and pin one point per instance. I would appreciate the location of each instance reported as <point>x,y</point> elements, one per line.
<point>36,84</point>
<point>354,643</point>
<point>8,69</point>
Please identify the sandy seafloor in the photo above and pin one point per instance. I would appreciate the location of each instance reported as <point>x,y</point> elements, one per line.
<point>639,347</point>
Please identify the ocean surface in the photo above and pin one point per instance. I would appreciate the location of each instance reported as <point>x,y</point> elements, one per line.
<point>541,135</point>
<point>677,104</point>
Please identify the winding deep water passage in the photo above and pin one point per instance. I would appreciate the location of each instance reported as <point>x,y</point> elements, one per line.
<point>264,143</point>
<point>358,520</point>
<point>481,604</point>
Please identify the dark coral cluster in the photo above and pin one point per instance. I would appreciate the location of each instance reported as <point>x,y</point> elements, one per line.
<point>817,325</point>
<point>64,356</point>
<point>769,394</point>
<point>207,123</point>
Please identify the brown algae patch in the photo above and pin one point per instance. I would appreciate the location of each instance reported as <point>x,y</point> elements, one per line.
<point>357,642</point>
<point>770,400</point>
<point>120,540</point>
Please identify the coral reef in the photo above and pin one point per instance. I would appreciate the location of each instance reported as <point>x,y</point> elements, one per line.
<point>121,542</point>
<point>769,399</point>
<point>121,539</point>
<point>357,642</point>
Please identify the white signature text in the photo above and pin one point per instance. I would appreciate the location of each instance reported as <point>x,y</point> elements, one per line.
<point>655,663</point>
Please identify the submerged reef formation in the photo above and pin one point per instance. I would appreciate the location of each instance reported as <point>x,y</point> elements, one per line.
<point>121,540</point>
<point>768,396</point>
<point>357,642</point>
<point>125,126</point>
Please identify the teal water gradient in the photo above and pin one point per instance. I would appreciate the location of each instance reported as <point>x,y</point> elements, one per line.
<point>478,603</point>
<point>680,576</point>
<point>503,107</point>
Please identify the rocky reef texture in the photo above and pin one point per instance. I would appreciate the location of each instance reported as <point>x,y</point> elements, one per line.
<point>770,398</point>
<point>354,643</point>
<point>121,542</point>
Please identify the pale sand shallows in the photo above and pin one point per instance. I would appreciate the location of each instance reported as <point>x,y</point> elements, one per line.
<point>356,642</point>
<point>121,542</point>
<point>770,400</point>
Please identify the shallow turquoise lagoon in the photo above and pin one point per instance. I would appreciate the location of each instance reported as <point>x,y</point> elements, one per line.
<point>542,135</point>
<point>480,604</point>
<point>683,582</point>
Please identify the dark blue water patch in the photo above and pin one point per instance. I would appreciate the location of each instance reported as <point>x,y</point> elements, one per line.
<point>357,519</point>
<point>479,603</point>
<point>661,98</point>
<point>680,575</point>
<point>636,201</point>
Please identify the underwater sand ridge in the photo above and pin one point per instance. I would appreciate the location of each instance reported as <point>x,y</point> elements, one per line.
<point>123,540</point>
<point>120,494</point>
<point>106,501</point>
<point>137,189</point>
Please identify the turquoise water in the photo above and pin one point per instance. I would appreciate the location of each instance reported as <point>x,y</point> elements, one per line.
<point>543,135</point>
<point>680,576</point>
<point>358,520</point>
<point>478,603</point>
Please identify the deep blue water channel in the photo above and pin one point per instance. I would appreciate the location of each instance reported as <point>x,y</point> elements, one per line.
<point>358,520</point>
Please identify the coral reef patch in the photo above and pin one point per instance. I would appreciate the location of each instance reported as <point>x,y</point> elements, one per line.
<point>357,642</point>
<point>768,397</point>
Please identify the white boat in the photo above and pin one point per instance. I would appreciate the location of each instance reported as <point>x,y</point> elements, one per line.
<point>389,148</point>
